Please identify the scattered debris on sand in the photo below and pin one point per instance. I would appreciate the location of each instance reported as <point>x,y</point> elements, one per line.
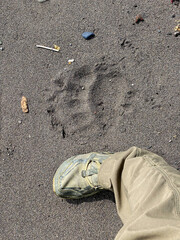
<point>88,35</point>
<point>176,2</point>
<point>71,61</point>
<point>57,47</point>
<point>139,19</point>
<point>1,48</point>
<point>41,1</point>
<point>24,105</point>
<point>177,29</point>
<point>49,48</point>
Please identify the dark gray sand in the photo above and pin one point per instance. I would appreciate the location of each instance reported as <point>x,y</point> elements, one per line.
<point>122,90</point>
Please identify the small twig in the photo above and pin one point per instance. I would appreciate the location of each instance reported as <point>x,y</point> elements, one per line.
<point>48,48</point>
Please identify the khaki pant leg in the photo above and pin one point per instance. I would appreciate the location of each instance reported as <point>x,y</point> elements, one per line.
<point>147,194</point>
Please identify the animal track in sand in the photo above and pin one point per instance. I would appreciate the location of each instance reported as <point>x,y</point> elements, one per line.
<point>87,98</point>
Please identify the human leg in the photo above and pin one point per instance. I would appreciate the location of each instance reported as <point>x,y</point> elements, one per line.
<point>147,194</point>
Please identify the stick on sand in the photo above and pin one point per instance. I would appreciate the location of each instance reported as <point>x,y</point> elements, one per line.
<point>48,48</point>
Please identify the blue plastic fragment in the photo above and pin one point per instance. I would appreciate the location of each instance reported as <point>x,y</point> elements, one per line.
<point>88,35</point>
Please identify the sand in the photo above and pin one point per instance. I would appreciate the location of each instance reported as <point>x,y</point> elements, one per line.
<point>122,90</point>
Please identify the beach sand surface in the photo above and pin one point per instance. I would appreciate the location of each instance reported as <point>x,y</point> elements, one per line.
<point>122,90</point>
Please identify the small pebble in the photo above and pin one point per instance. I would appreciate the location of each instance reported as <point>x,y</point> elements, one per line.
<point>88,35</point>
<point>70,44</point>
<point>83,88</point>
<point>170,141</point>
<point>122,129</point>
<point>70,61</point>
<point>159,31</point>
<point>20,121</point>
<point>41,1</point>
<point>1,48</point>
<point>176,34</point>
<point>83,143</point>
